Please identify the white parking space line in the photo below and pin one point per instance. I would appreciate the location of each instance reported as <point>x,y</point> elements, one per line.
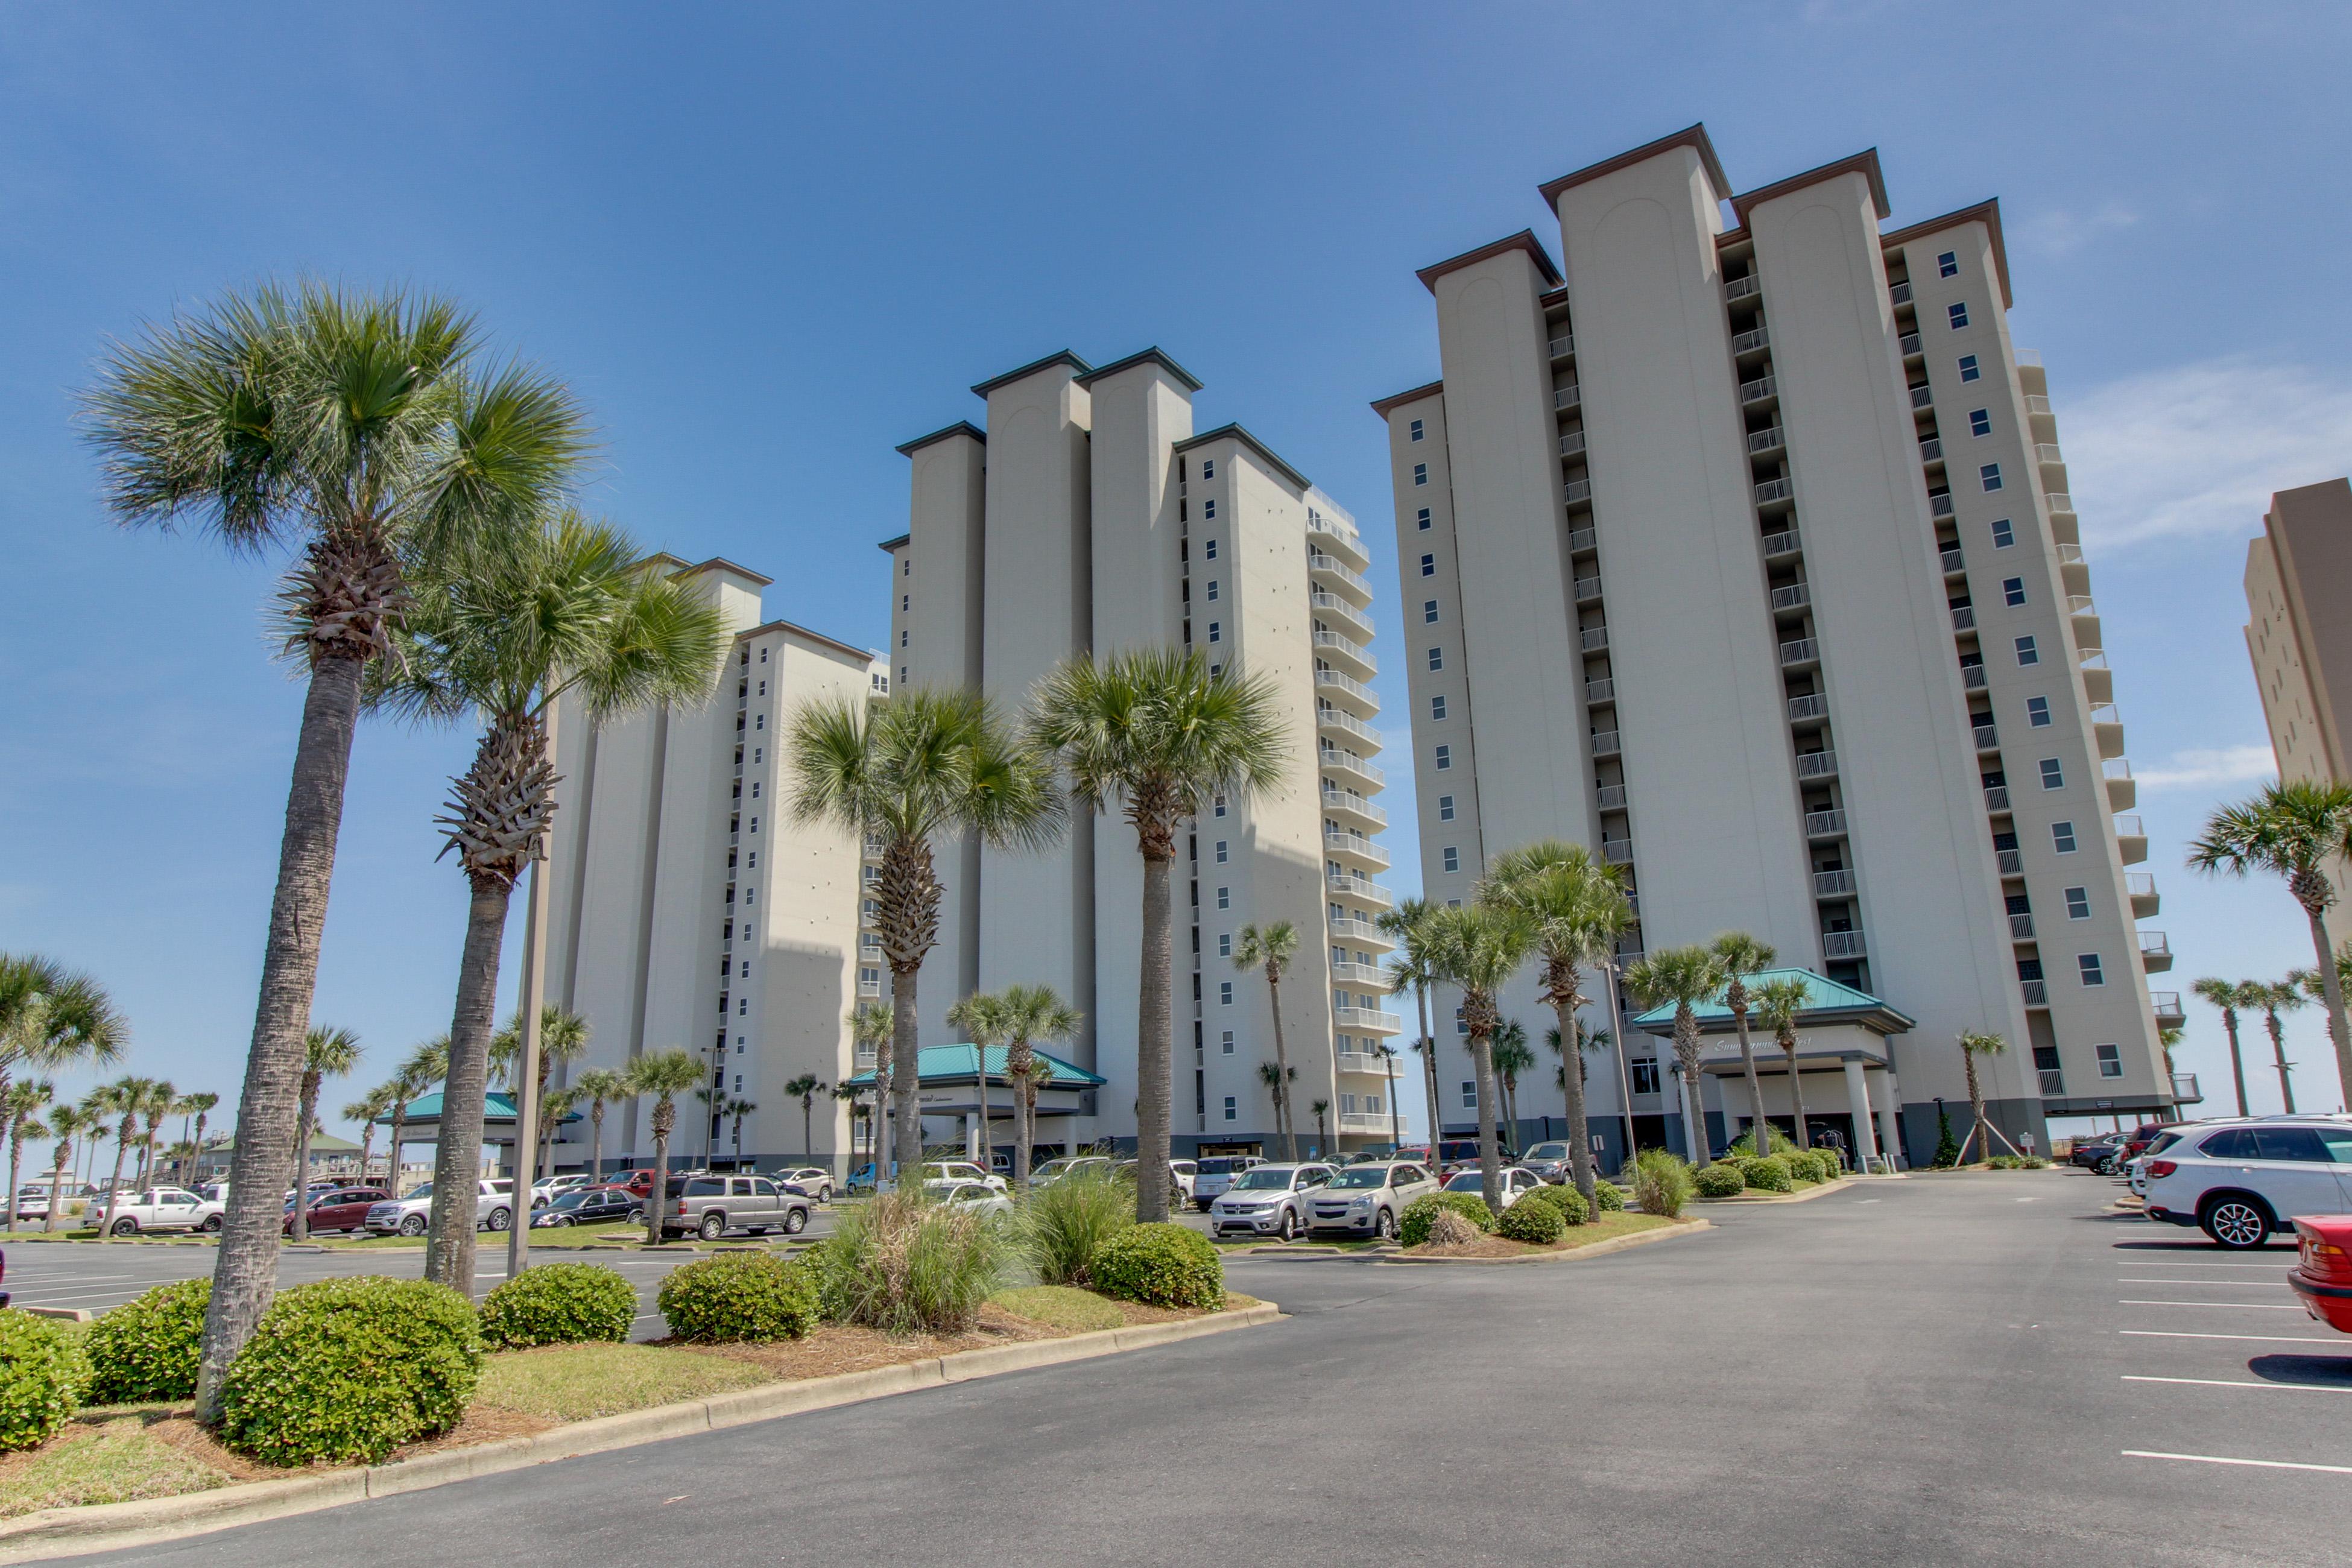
<point>2222,1306</point>
<point>2242,1383</point>
<point>2191,1263</point>
<point>2257,1464</point>
<point>2267,1339</point>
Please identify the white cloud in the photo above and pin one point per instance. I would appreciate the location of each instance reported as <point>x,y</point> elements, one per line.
<point>2061,232</point>
<point>2204,769</point>
<point>2199,449</point>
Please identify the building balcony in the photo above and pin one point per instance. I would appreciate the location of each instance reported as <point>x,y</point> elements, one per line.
<point>2009,862</point>
<point>2107,727</point>
<point>1347,692</point>
<point>2065,528</point>
<point>2085,618</point>
<point>1931,450</point>
<point>2046,453</point>
<point>1780,545</point>
<point>1964,617</point>
<point>1365,932</point>
<point>1566,395</point>
<point>1842,944</point>
<point>1571,443</point>
<point>2037,992</point>
<point>2073,569</point>
<point>1755,340</point>
<point>869,952</point>
<point>1605,744</point>
<point>1922,397</point>
<point>1811,705</point>
<point>2053,1083</point>
<point>2098,677</point>
<point>1347,653</point>
<point>1367,1021</point>
<point>1337,538</point>
<point>1351,884</point>
<point>1822,764</point>
<point>1577,492</point>
<point>1609,797</point>
<point>1772,439</point>
<point>2131,840</point>
<point>1593,639</point>
<point>2122,794</point>
<point>2155,951</point>
<point>1800,652</point>
<point>1339,803</point>
<point>1365,1121</point>
<point>1617,851</point>
<point>1988,737</point>
<point>2166,1004</point>
<point>1793,596</point>
<point>865,988</point>
<point>1337,721</point>
<point>1776,492</point>
<point>2139,887</point>
<point>2021,928</point>
<point>1588,590</point>
<point>1562,347</point>
<point>1333,607</point>
<point>1955,564</point>
<point>2185,1090</point>
<point>1899,293</point>
<point>1360,975</point>
<point>1825,824</point>
<point>1362,1063</point>
<point>1996,799</point>
<point>1973,677</point>
<point>1349,765</point>
<point>1602,690</point>
<point>1832,884</point>
<point>1747,288</point>
<point>1939,503</point>
<point>1909,343</point>
<point>1356,849</point>
<point>1580,540</point>
<point>1763,389</point>
<point>875,846</point>
<point>1332,573</point>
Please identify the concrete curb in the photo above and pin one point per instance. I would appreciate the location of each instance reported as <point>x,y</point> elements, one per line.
<point>108,1527</point>
<point>1598,1248</point>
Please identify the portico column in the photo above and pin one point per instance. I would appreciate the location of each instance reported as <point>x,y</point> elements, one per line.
<point>1891,1112</point>
<point>1695,1148</point>
<point>970,1135</point>
<point>1857,1101</point>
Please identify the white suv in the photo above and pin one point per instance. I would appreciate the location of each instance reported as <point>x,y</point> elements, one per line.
<point>2240,1181</point>
<point>410,1216</point>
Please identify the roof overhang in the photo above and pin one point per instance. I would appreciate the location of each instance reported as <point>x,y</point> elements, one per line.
<point>1264,453</point>
<point>1524,240</point>
<point>1385,405</point>
<point>1987,213</point>
<point>1864,162</point>
<point>1693,136</point>
<point>1176,372</point>
<point>960,427</point>
<point>1065,357</point>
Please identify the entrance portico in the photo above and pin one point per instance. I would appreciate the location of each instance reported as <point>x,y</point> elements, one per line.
<point>955,1095</point>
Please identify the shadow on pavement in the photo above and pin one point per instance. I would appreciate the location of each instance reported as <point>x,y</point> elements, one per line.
<point>2308,1371</point>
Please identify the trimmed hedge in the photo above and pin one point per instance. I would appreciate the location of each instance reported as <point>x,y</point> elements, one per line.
<point>148,1348</point>
<point>41,1372</point>
<point>1412,1226</point>
<point>1160,1264</point>
<point>1822,1165</point>
<point>1532,1219</point>
<point>1662,1183</point>
<point>1724,1181</point>
<point>348,1369</point>
<point>1608,1197</point>
<point>559,1304</point>
<point>1565,1199</point>
<point>738,1296</point>
<point>1767,1176</point>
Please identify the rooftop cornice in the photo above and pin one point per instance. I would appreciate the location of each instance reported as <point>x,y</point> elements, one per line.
<point>1864,162</point>
<point>1149,356</point>
<point>960,427</point>
<point>1383,406</point>
<point>1241,434</point>
<point>1077,365</point>
<point>1694,136</point>
<point>1524,240</point>
<point>1987,213</point>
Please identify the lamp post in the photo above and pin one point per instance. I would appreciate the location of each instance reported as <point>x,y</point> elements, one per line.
<point>1609,971</point>
<point>525,1093</point>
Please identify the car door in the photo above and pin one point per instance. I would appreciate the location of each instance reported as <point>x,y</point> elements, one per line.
<point>2337,1139</point>
<point>2294,1170</point>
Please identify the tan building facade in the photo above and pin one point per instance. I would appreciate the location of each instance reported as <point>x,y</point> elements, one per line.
<point>1737,544</point>
<point>2297,575</point>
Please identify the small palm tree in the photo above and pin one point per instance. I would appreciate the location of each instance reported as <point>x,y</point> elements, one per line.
<point>1320,1109</point>
<point>1778,1005</point>
<point>326,1053</point>
<point>1277,1079</point>
<point>424,1067</point>
<point>735,1110</point>
<point>66,1122</point>
<point>2231,996</point>
<point>1975,1043</point>
<point>564,1037</point>
<point>665,1075</point>
<point>1271,947</point>
<point>122,1101</point>
<point>51,1017</point>
<point>2275,997</point>
<point>153,1111</point>
<point>981,1017</point>
<point>202,1104</point>
<point>851,1095</point>
<point>367,1111</point>
<point>1513,1056</point>
<point>1412,969</point>
<point>1388,1054</point>
<point>1159,733</point>
<point>873,1025</point>
<point>600,1087</point>
<point>21,1105</point>
<point>1681,977</point>
<point>1034,1015</point>
<point>1740,955</point>
<point>804,1088</point>
<point>1478,948</point>
<point>2291,830</point>
<point>925,766</point>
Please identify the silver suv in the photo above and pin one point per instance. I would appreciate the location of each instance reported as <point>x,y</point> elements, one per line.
<point>1269,1200</point>
<point>410,1216</point>
<point>710,1206</point>
<point>1369,1199</point>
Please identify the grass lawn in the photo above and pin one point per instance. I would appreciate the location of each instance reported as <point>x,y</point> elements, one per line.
<point>115,1460</point>
<point>574,1383</point>
<point>1062,1306</point>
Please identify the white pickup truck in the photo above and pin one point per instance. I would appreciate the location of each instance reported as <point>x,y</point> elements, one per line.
<point>159,1208</point>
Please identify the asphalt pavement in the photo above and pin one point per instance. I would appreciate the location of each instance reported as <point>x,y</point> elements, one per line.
<point>1989,1369</point>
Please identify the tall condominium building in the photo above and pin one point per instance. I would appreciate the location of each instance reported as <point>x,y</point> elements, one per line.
<point>1737,544</point>
<point>2297,573</point>
<point>687,910</point>
<point>1090,516</point>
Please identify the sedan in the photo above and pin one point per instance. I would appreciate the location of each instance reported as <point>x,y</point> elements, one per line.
<point>1517,1182</point>
<point>1269,1200</point>
<point>336,1208</point>
<point>1368,1199</point>
<point>813,1182</point>
<point>971,1197</point>
<point>589,1206</point>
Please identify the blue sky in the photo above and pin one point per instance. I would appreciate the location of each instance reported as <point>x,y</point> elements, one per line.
<point>768,243</point>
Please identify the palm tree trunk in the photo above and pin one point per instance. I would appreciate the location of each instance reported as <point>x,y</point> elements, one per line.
<point>1282,1063</point>
<point>1763,1129</point>
<point>1694,1139</point>
<point>1579,1139</point>
<point>2331,987</point>
<point>1429,1076</point>
<point>15,1159</point>
<point>2237,1062</point>
<point>303,1159</point>
<point>2278,1053</point>
<point>1154,1087</point>
<point>58,1189</point>
<point>1490,1166</point>
<point>458,1153</point>
<point>658,1198</point>
<point>1796,1096</point>
<point>987,1152</point>
<point>392,1154</point>
<point>906,1085</point>
<point>367,1147</point>
<point>1983,1142</point>
<point>114,1185</point>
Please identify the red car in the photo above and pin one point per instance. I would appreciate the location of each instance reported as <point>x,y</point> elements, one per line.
<point>638,1181</point>
<point>2323,1274</point>
<point>337,1208</point>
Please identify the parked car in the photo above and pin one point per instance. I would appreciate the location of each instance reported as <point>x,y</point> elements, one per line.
<point>1368,1199</point>
<point>1269,1200</point>
<point>710,1206</point>
<point>33,1201</point>
<point>545,1190</point>
<point>2322,1276</point>
<point>1554,1162</point>
<point>410,1216</point>
<point>1214,1175</point>
<point>1454,1154</point>
<point>977,1196</point>
<point>1053,1170</point>
<point>337,1208</point>
<point>2241,1180</point>
<point>2102,1154</point>
<point>962,1171</point>
<point>813,1182</point>
<point>1517,1182</point>
<point>157,1208</point>
<point>1181,1173</point>
<point>589,1206</point>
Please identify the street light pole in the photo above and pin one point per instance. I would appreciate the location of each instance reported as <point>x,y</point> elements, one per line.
<point>525,1093</point>
<point>1624,1076</point>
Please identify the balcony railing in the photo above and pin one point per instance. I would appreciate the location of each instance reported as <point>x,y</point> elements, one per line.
<point>1954,561</point>
<point>869,988</point>
<point>2048,452</point>
<point>1609,797</point>
<point>1562,347</point>
<point>1973,677</point>
<point>1785,542</point>
<point>1988,737</point>
<point>1900,294</point>
<point>1931,450</point>
<point>2153,943</point>
<point>1921,396</point>
<point>2168,1005</point>
<point>2185,1090</point>
<point>1333,567</point>
<point>1803,651</point>
<point>1811,705</point>
<point>1772,490</point>
<point>1602,690</point>
<point>1594,639</point>
<point>1567,396</point>
<point>2037,992</point>
<point>1576,491</point>
<point>2081,605</point>
<point>1816,765</point>
<point>2036,403</point>
<point>1796,595</point>
<point>1832,884</point>
<point>2011,862</point>
<point>2021,928</point>
<point>1588,590</point>
<point>1743,288</point>
<point>1338,761</point>
<point>1748,341</point>
<point>1909,343</point>
<point>1617,851</point>
<point>2061,502</point>
<point>1939,502</point>
<point>1339,610</point>
<point>1841,944</point>
<point>1369,1019</point>
<point>1332,681</point>
<point>1354,844</point>
<point>1354,930</point>
<point>1347,647</point>
<point>1757,391</point>
<point>1359,887</point>
<point>1996,797</point>
<point>2139,884</point>
<point>1571,443</point>
<point>1580,540</point>
<point>1824,823</point>
<point>1360,975</point>
<point>1347,724</point>
<point>1605,744</point>
<point>1964,617</point>
<point>2053,1082</point>
<point>1770,438</point>
<point>1356,804</point>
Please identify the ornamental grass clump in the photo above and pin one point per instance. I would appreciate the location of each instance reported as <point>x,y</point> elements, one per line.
<point>1535,1221</point>
<point>1160,1264</point>
<point>1447,1228</point>
<point>559,1304</point>
<point>1412,1226</point>
<point>347,1370</point>
<point>147,1349</point>
<point>1060,1225</point>
<point>906,1266</point>
<point>1727,1180</point>
<point>41,1372</point>
<point>735,1298</point>
<point>1662,1183</point>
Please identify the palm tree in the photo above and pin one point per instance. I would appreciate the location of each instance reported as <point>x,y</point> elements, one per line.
<point>21,1104</point>
<point>554,1107</point>
<point>1681,977</point>
<point>1410,968</point>
<point>2291,830</point>
<point>927,765</point>
<point>600,1087</point>
<point>1388,1054</point>
<point>804,1088</point>
<point>51,1017</point>
<point>851,1095</point>
<point>356,428</point>
<point>326,1053</point>
<point>2276,997</point>
<point>1270,947</point>
<point>738,1108</point>
<point>425,1066</point>
<point>665,1075</point>
<point>1034,1015</point>
<point>566,611</point>
<point>66,1122</point>
<point>981,1017</point>
<point>711,1096</point>
<point>1739,956</point>
<point>122,1100</point>
<point>1478,948</point>
<point>1975,1043</point>
<point>563,1038</point>
<point>1579,909</point>
<point>1320,1109</point>
<point>367,1111</point>
<point>1778,1005</point>
<point>1513,1056</point>
<point>1159,733</point>
<point>1277,1079</point>
<point>202,1104</point>
<point>873,1025</point>
<point>162,1100</point>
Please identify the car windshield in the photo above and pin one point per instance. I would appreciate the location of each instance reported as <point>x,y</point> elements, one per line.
<point>1265,1179</point>
<point>1356,1176</point>
<point>1548,1152</point>
<point>1463,1181</point>
<point>571,1200</point>
<point>1216,1167</point>
<point>1055,1167</point>
<point>424,1190</point>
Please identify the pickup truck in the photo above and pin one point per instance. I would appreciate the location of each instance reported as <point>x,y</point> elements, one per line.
<point>413,1215</point>
<point>710,1206</point>
<point>159,1208</point>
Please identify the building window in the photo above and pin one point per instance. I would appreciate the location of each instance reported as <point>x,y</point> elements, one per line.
<point>2088,963</point>
<point>1222,856</point>
<point>1453,859</point>
<point>1968,371</point>
<point>1444,758</point>
<point>2078,903</point>
<point>2053,775</point>
<point>1444,808</point>
<point>1219,808</point>
<point>1429,611</point>
<point>1225,993</point>
<point>1208,548</point>
<point>1231,1115</point>
<point>2003,536</point>
<point>1469,1092</point>
<point>1436,659</point>
<point>2111,1061</point>
<point>2026,652</point>
<point>1947,265</point>
<point>2062,837</point>
<point>1958,313</point>
<point>1979,421</point>
<point>1417,431</point>
<point>1209,511</point>
<point>1438,706</point>
<point>1429,565</point>
<point>1213,590</point>
<point>2012,591</point>
<point>1216,631</point>
<point>1421,520</point>
<point>902,674</point>
<point>742,1009</point>
<point>1421,473</point>
<point>1224,944</point>
<point>1990,476</point>
<point>1645,1075</point>
<point>759,722</point>
<point>1225,898</point>
<point>2037,713</point>
<point>906,569</point>
<point>1225,1047</point>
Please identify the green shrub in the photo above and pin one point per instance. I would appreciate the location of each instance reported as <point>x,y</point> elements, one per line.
<point>1608,1197</point>
<point>1160,1266</point>
<point>1744,1146</point>
<point>347,1370</point>
<point>1060,1225</point>
<point>1825,1165</point>
<point>905,1266</point>
<point>1412,1226</point>
<point>1724,1181</point>
<point>1662,1183</point>
<point>1770,1174</point>
<point>41,1372</point>
<point>733,1297</point>
<point>1565,1199</point>
<point>2033,1163</point>
<point>147,1349</point>
<point>559,1304</point>
<point>1532,1219</point>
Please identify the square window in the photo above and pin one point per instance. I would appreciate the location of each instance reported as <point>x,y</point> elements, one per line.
<point>1436,659</point>
<point>1453,859</point>
<point>1958,313</point>
<point>1438,706</point>
<point>2037,713</point>
<point>1219,808</point>
<point>1444,808</point>
<point>2111,1061</point>
<point>1225,898</point>
<point>1645,1075</point>
<point>1208,548</point>
<point>1417,431</point>
<point>1216,631</point>
<point>1213,589</point>
<point>1421,520</point>
<point>2003,536</point>
<point>1989,474</point>
<point>903,638</point>
<point>1444,758</point>
<point>1226,944</point>
<point>902,674</point>
<point>1209,511</point>
<point>1968,371</point>
<point>2053,776</point>
<point>1421,473</point>
<point>2026,652</point>
<point>906,569</point>
<point>2012,591</point>
<point>2088,963</point>
<point>2078,903</point>
<point>2062,837</point>
<point>1225,993</point>
<point>1429,565</point>
<point>1208,467</point>
<point>1231,1115</point>
<point>1222,857</point>
<point>1429,611</point>
<point>1979,421</point>
<point>1225,1044</point>
<point>1947,265</point>
<point>1469,1087</point>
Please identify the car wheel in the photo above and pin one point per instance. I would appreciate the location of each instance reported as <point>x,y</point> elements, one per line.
<point>713,1226</point>
<point>636,1217</point>
<point>559,1222</point>
<point>2107,1167</point>
<point>2236,1222</point>
<point>1289,1226</point>
<point>500,1219</point>
<point>126,1226</point>
<point>212,1225</point>
<point>796,1221</point>
<point>1385,1227</point>
<point>413,1225</point>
